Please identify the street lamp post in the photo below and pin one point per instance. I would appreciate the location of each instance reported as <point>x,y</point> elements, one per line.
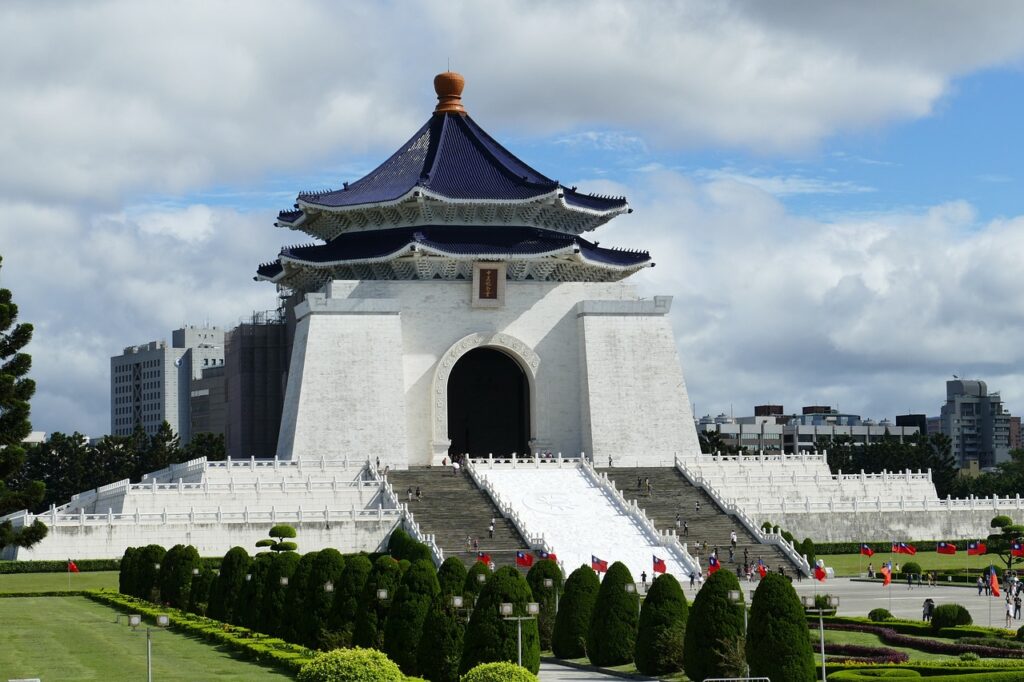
<point>631,589</point>
<point>736,597</point>
<point>506,610</point>
<point>811,607</point>
<point>162,621</point>
<point>549,583</point>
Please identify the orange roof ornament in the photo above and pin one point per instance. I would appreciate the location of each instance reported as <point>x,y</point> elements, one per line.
<point>448,86</point>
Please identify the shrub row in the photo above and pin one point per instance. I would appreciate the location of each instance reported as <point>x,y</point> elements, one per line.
<point>252,645</point>
<point>934,646</point>
<point>871,675</point>
<point>83,565</point>
<point>51,593</point>
<point>881,547</point>
<point>865,654</point>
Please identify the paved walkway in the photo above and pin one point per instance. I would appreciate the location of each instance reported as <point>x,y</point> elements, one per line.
<point>553,672</point>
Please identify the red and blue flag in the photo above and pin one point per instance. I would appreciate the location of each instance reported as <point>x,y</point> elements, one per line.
<point>903,548</point>
<point>866,551</point>
<point>524,559</point>
<point>659,565</point>
<point>976,548</point>
<point>713,564</point>
<point>945,548</point>
<point>598,565</point>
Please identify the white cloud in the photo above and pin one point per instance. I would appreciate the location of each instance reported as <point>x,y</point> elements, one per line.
<point>786,185</point>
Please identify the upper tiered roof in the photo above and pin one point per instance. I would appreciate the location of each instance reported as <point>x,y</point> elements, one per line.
<point>449,196</point>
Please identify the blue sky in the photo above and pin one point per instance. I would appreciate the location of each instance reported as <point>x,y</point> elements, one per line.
<point>832,192</point>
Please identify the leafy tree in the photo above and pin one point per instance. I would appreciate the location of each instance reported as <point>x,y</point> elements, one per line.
<point>372,616</point>
<point>225,597</point>
<point>408,614</point>
<point>208,445</point>
<point>279,565</point>
<point>327,568</point>
<point>712,442</point>
<point>807,549</point>
<point>545,596</point>
<point>202,586</point>
<point>1005,532</point>
<point>491,638</point>
<point>16,389</point>
<point>64,465</point>
<point>276,542</point>
<point>572,624</point>
<point>659,638</point>
<point>715,627</point>
<point>162,450</point>
<point>776,642</point>
<point>440,648</point>
<point>148,563</point>
<point>612,633</point>
<point>345,607</point>
<point>112,459</point>
<point>176,575</point>
<point>451,576</point>
<point>473,585</point>
<point>296,607</point>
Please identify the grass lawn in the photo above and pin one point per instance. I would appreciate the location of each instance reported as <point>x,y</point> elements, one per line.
<point>73,638</point>
<point>49,582</point>
<point>851,564</point>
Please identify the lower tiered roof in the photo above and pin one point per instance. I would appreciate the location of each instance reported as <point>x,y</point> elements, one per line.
<point>447,252</point>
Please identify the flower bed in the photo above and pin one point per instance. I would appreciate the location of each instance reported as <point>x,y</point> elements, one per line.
<point>934,646</point>
<point>864,654</point>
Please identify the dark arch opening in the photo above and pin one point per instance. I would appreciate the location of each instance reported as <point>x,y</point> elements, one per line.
<point>488,405</point>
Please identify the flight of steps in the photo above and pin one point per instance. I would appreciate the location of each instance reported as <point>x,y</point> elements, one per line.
<point>452,508</point>
<point>671,494</point>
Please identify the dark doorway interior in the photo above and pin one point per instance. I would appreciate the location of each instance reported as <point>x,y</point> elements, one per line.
<point>488,405</point>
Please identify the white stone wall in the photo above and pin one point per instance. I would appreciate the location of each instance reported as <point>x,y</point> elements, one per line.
<point>342,399</point>
<point>887,526</point>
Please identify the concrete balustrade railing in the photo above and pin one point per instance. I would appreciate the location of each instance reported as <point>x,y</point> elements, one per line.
<point>727,506</point>
<point>537,461</point>
<point>535,541</point>
<point>666,539</point>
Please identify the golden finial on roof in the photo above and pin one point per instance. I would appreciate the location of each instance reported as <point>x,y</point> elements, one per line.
<point>448,86</point>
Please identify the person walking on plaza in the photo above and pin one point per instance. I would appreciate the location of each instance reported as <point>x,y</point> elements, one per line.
<point>419,494</point>
<point>981,585</point>
<point>490,530</point>
<point>643,579</point>
<point>1016,606</point>
<point>1009,612</point>
<point>408,494</point>
<point>732,538</point>
<point>686,530</point>
<point>696,507</point>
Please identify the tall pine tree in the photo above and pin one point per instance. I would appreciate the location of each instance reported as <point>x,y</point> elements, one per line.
<point>15,391</point>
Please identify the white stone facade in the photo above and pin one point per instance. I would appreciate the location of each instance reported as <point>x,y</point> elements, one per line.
<point>371,361</point>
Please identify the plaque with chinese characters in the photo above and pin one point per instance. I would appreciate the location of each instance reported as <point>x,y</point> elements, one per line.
<point>488,285</point>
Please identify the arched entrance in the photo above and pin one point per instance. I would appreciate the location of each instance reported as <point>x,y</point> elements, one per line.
<point>488,405</point>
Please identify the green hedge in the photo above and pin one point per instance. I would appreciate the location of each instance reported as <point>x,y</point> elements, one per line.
<point>880,547</point>
<point>501,671</point>
<point>908,674</point>
<point>351,665</point>
<point>252,645</point>
<point>916,627</point>
<point>84,565</point>
<point>51,593</point>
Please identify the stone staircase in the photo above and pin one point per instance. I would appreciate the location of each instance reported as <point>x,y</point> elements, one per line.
<point>453,508</point>
<point>670,494</point>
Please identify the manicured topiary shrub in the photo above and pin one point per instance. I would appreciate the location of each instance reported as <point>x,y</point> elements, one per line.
<point>126,572</point>
<point>293,617</point>
<point>542,570</point>
<point>451,577</point>
<point>277,542</point>
<point>715,627</point>
<point>347,596</point>
<point>279,565</point>
<point>372,614</point>
<point>910,568</point>
<point>776,642</point>
<point>472,587</point>
<point>226,593</point>
<point>488,636</point>
<point>440,649</point>
<point>327,568</point>
<point>408,613</point>
<point>398,543</point>
<point>248,607</point>
<point>499,672</point>
<point>572,624</point>
<point>807,549</point>
<point>950,615</point>
<point>147,574</point>
<point>176,575</point>
<point>612,634</point>
<point>659,637</point>
<point>199,595</point>
<point>879,615</point>
<point>351,665</point>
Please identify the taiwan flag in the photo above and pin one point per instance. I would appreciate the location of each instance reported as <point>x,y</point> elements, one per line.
<point>1016,548</point>
<point>550,556</point>
<point>819,573</point>
<point>945,548</point>
<point>762,570</point>
<point>483,557</point>
<point>993,581</point>
<point>867,551</point>
<point>659,565</point>
<point>713,564</point>
<point>976,548</point>
<point>524,559</point>
<point>903,548</point>
<point>598,565</point>
<point>72,567</point>
<point>886,572</point>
